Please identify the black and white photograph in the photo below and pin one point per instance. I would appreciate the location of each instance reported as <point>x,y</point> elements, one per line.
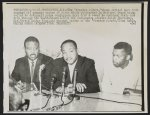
<point>75,57</point>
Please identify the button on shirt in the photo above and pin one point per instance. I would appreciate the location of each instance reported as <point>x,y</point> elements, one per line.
<point>71,70</point>
<point>30,64</point>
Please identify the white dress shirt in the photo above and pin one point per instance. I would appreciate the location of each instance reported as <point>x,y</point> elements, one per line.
<point>71,69</point>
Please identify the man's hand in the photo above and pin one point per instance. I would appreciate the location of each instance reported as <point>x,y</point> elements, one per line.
<point>126,92</point>
<point>80,87</point>
<point>129,91</point>
<point>59,89</point>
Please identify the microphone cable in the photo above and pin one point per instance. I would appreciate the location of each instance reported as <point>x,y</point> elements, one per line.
<point>62,99</point>
<point>47,101</point>
<point>44,105</point>
<point>68,102</point>
<point>59,106</point>
<point>110,100</point>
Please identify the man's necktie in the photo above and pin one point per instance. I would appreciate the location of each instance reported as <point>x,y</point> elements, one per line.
<point>32,71</point>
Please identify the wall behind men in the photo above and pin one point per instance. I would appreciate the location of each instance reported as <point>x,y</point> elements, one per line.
<point>95,42</point>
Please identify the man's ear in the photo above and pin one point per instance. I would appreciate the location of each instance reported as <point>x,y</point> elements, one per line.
<point>128,57</point>
<point>25,50</point>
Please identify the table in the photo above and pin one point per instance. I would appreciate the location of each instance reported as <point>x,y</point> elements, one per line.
<point>86,104</point>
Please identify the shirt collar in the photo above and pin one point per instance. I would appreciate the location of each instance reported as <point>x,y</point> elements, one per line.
<point>73,65</point>
<point>30,61</point>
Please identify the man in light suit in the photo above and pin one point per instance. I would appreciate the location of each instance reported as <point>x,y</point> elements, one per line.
<point>86,79</point>
<point>27,68</point>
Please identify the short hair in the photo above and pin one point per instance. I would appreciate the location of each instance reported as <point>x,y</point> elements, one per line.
<point>126,46</point>
<point>31,39</point>
<point>71,41</point>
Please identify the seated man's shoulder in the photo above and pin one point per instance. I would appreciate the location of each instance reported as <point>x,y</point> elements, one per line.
<point>46,57</point>
<point>20,60</point>
<point>47,60</point>
<point>88,60</point>
<point>58,61</point>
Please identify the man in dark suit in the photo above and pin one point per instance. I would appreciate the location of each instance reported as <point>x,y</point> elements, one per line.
<point>27,69</point>
<point>86,79</point>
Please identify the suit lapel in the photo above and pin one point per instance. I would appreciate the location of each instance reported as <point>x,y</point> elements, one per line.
<point>36,70</point>
<point>27,69</point>
<point>68,75</point>
<point>79,63</point>
<point>78,66</point>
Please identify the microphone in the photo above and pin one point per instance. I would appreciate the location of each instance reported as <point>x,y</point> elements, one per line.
<point>74,81</point>
<point>52,83</point>
<point>73,95</point>
<point>63,79</point>
<point>41,68</point>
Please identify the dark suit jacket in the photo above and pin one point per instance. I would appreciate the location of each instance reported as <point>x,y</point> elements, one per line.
<point>22,70</point>
<point>86,73</point>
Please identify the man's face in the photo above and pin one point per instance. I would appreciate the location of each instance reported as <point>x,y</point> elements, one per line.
<point>32,50</point>
<point>69,53</point>
<point>119,57</point>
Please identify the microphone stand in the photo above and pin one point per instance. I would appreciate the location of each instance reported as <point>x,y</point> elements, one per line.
<point>63,84</point>
<point>40,80</point>
<point>40,70</point>
<point>63,81</point>
<point>74,81</point>
<point>52,83</point>
<point>73,95</point>
<point>51,89</point>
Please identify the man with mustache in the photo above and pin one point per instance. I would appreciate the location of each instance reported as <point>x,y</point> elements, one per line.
<point>26,70</point>
<point>86,78</point>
